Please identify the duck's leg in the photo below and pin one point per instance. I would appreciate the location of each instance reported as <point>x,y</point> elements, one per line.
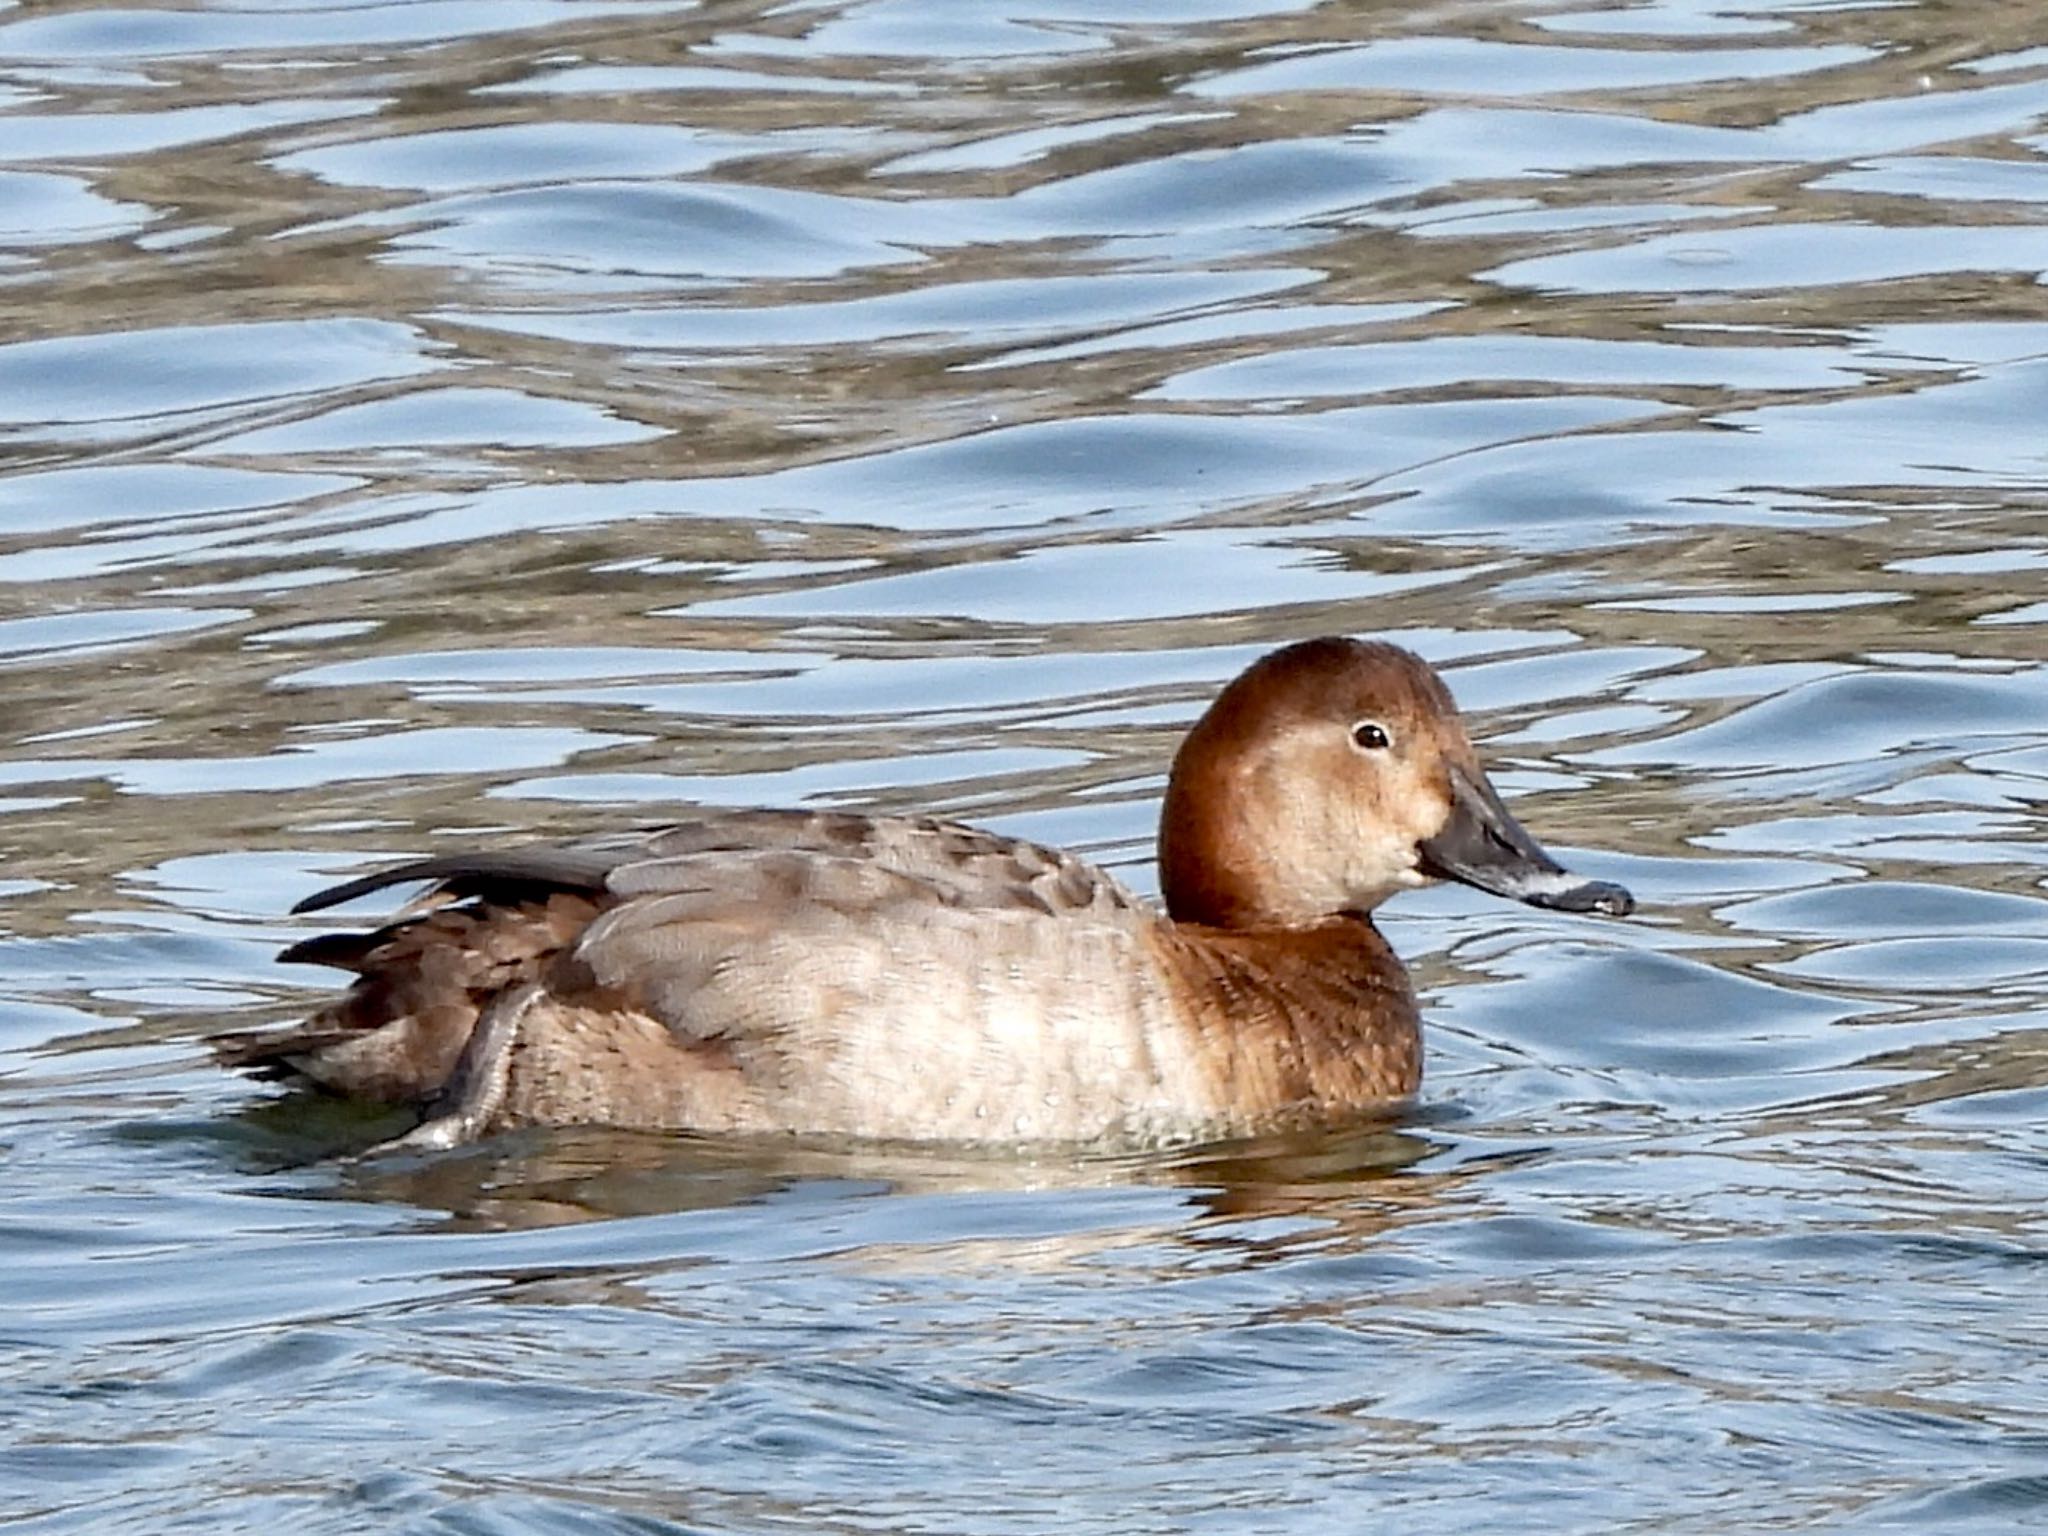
<point>475,1091</point>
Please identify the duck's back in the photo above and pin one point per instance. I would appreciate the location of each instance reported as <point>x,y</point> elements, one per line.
<point>877,977</point>
<point>767,971</point>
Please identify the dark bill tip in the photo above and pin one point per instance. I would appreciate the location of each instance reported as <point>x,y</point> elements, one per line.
<point>1602,896</point>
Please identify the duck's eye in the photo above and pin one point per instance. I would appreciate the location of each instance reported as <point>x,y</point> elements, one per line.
<point>1370,736</point>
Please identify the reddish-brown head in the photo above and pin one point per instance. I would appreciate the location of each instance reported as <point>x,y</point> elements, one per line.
<point>1330,775</point>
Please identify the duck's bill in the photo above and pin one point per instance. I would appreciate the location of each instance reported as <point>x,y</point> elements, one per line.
<point>1485,847</point>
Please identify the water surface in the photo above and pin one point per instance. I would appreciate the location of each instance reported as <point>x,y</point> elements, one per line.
<point>422,423</point>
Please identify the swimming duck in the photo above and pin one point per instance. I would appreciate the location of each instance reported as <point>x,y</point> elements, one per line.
<point>902,978</point>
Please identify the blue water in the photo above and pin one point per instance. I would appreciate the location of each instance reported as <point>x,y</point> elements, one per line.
<point>432,422</point>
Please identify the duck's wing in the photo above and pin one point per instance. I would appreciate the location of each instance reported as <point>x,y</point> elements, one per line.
<point>959,866</point>
<point>837,857</point>
<point>746,942</point>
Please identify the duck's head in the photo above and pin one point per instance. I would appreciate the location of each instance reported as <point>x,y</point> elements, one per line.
<point>1330,775</point>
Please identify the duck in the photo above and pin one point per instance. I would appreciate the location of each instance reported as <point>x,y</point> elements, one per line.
<point>824,974</point>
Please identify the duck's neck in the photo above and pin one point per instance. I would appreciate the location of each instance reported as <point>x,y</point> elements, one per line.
<point>1213,863</point>
<point>1317,1015</point>
<point>1231,834</point>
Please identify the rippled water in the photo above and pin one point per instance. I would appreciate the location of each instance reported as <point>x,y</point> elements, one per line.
<point>423,421</point>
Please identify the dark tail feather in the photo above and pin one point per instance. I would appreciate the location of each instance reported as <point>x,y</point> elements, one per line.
<point>343,951</point>
<point>480,874</point>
